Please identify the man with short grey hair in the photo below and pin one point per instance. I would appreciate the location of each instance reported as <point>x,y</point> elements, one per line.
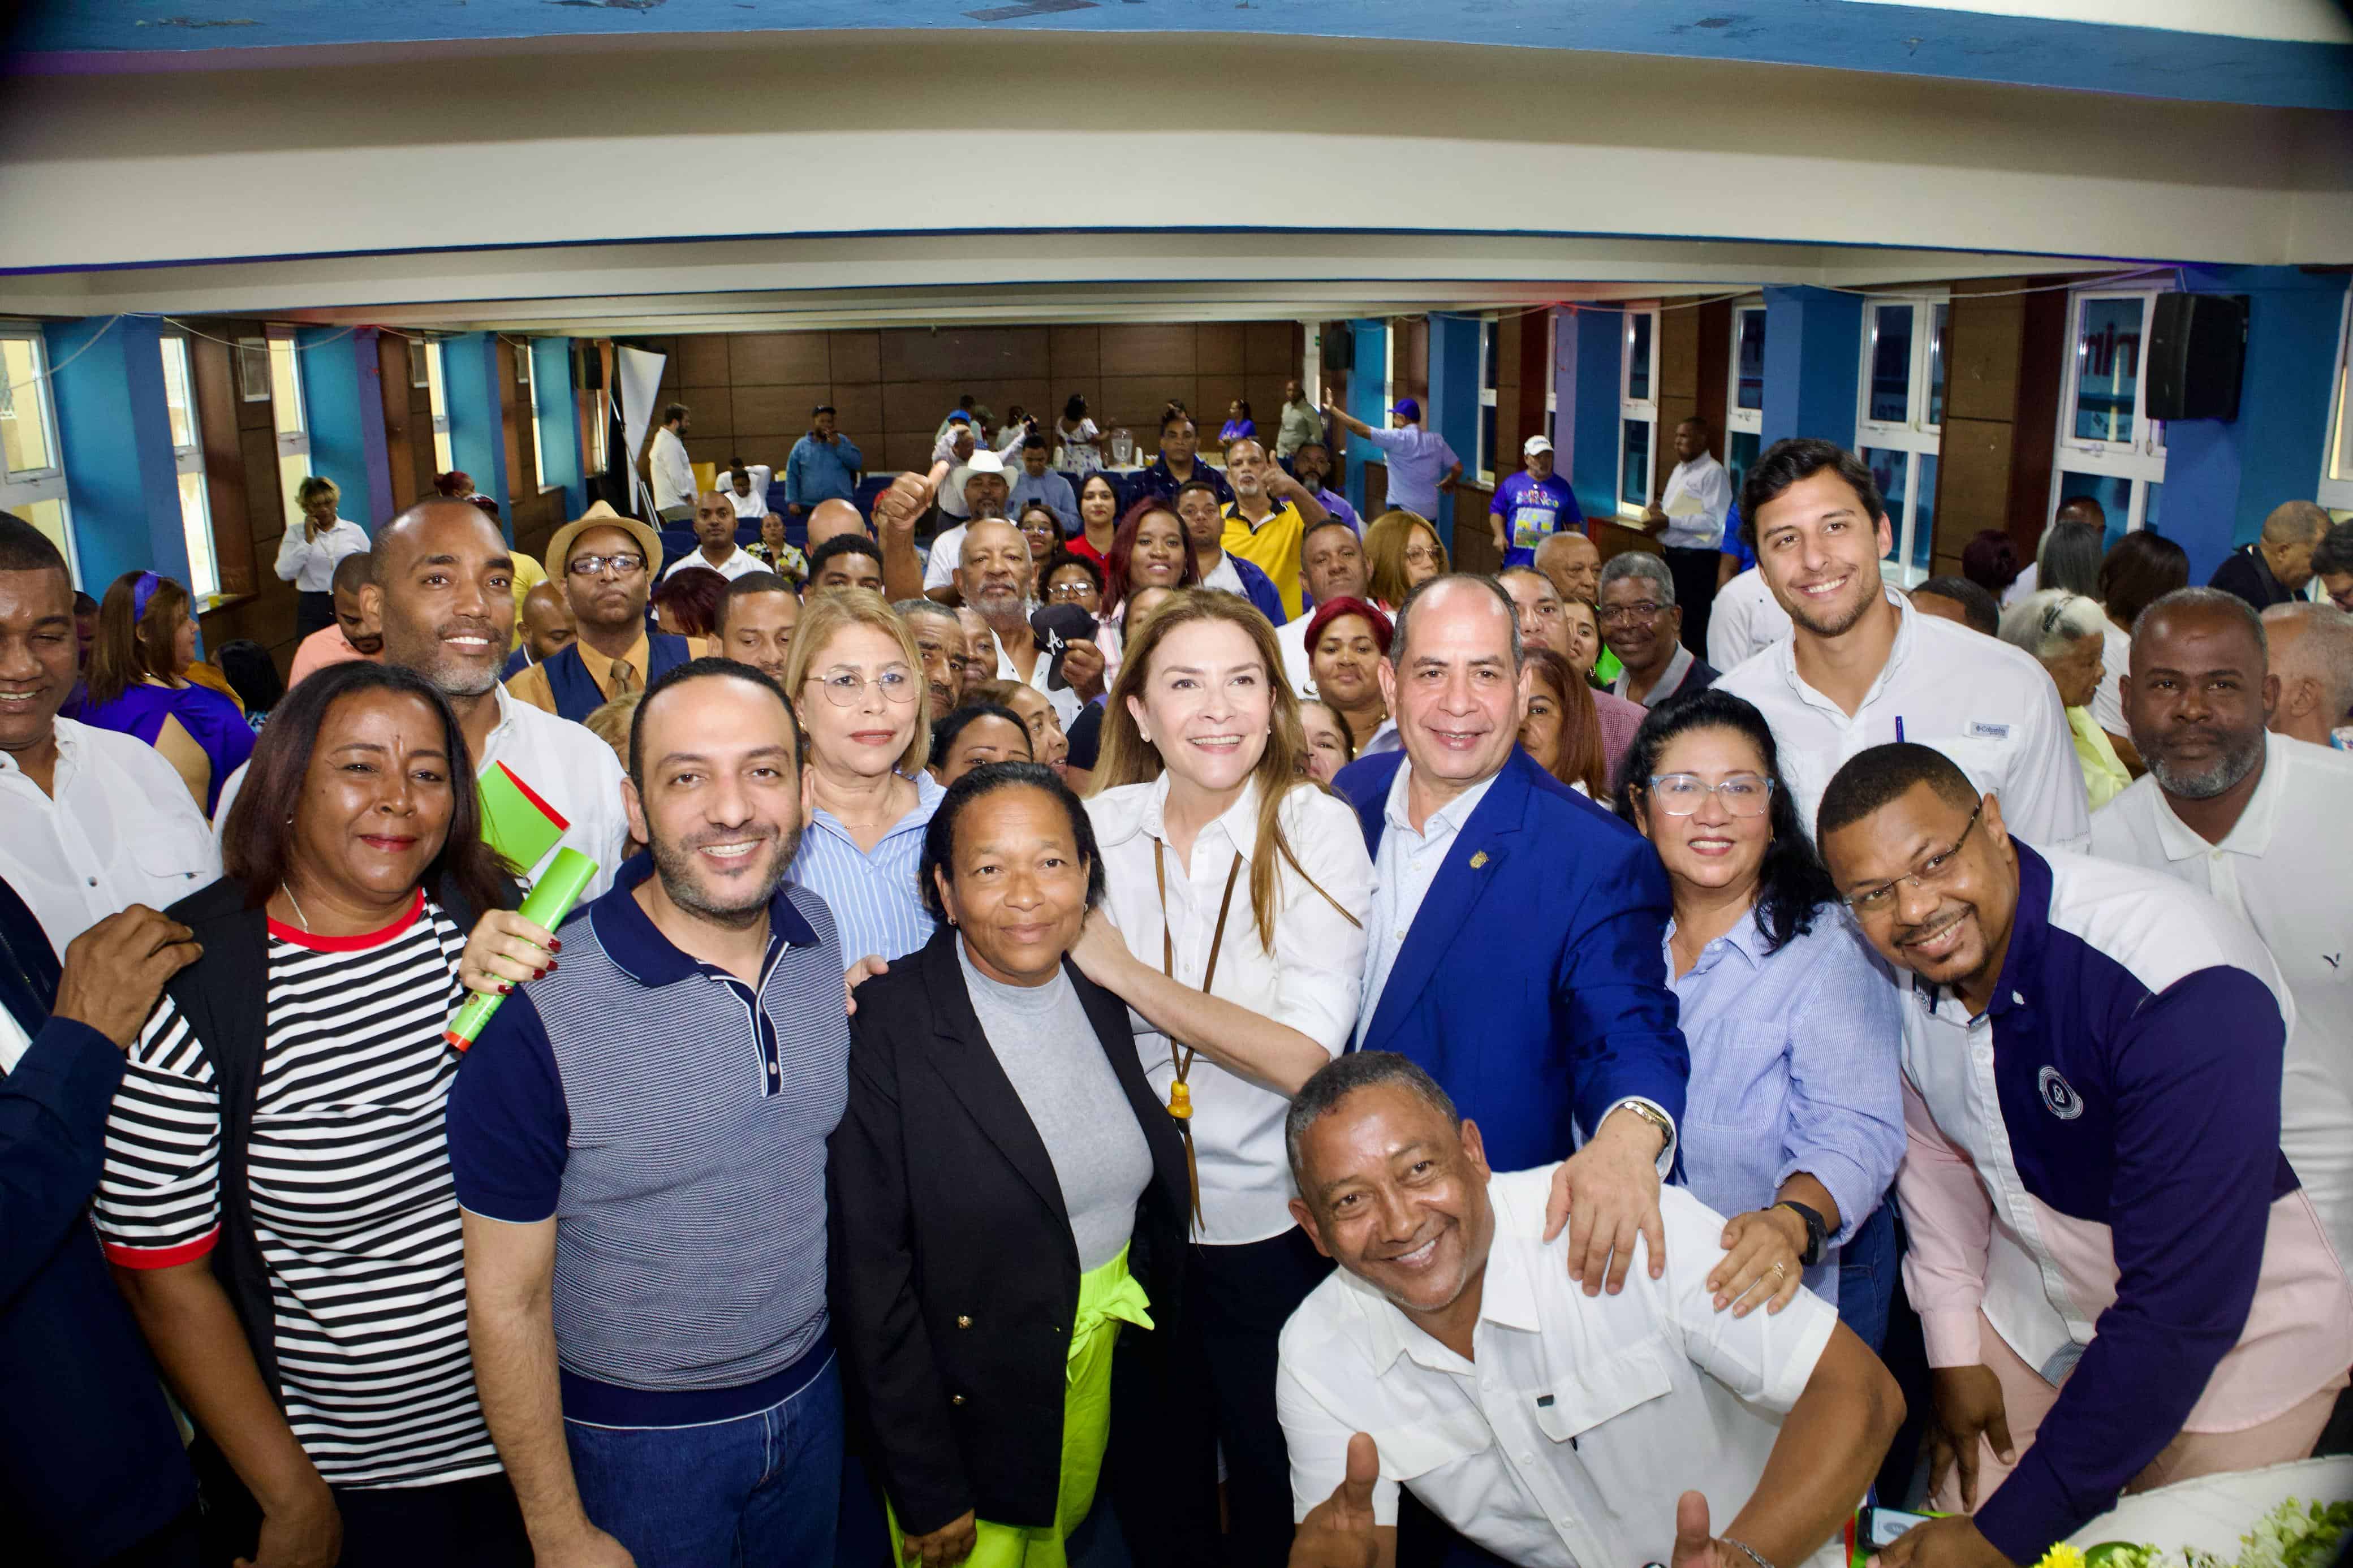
<point>2274,569</point>
<point>2312,660</point>
<point>1643,627</point>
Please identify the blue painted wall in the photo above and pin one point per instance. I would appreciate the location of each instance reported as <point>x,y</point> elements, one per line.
<point>1367,385</point>
<point>1813,365</point>
<point>343,393</point>
<point>559,421</point>
<point>1588,353</point>
<point>114,435</point>
<point>469,370</point>
<point>1453,410</point>
<point>2222,477</point>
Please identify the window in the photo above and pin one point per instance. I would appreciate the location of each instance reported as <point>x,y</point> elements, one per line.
<point>2109,449</point>
<point>188,457</point>
<point>1552,378</point>
<point>1485,466</point>
<point>1899,423</point>
<point>2335,490</point>
<point>524,373</point>
<point>32,473</point>
<point>253,369</point>
<point>1744,393</point>
<point>291,419</point>
<point>443,457</point>
<point>1638,410</point>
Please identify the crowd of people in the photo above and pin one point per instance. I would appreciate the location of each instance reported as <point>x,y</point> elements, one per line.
<point>1170,994</point>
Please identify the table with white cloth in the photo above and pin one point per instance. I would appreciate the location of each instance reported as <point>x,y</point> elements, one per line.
<point>2212,1512</point>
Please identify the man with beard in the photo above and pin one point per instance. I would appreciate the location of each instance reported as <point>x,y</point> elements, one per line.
<point>2120,1280</point>
<point>639,1142</point>
<point>939,637</point>
<point>353,635</point>
<point>607,563</point>
<point>2258,820</point>
<point>1312,467</point>
<point>442,593</point>
<point>994,578</point>
<point>1449,1313</point>
<point>1268,520</point>
<point>1863,668</point>
<point>981,485</point>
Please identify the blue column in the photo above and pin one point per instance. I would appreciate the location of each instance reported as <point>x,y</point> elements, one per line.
<point>1453,410</point>
<point>1367,391</point>
<point>1588,353</point>
<point>2222,476</point>
<point>559,420</point>
<point>1813,356</point>
<point>478,431</point>
<point>114,433</point>
<point>342,393</point>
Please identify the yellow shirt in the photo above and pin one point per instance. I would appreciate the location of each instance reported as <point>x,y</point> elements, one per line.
<point>1272,546</point>
<point>529,683</point>
<point>2104,774</point>
<point>527,575</point>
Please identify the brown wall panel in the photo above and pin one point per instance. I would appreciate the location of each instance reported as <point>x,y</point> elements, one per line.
<point>776,359</point>
<point>854,356</point>
<point>1148,349</point>
<point>702,360</point>
<point>1218,349</point>
<point>713,412</point>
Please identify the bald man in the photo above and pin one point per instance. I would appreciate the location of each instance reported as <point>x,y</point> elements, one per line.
<point>2311,648</point>
<point>1573,565</point>
<point>545,624</point>
<point>2274,569</point>
<point>355,635</point>
<point>715,533</point>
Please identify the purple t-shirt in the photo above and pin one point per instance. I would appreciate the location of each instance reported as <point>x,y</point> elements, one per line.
<point>1533,509</point>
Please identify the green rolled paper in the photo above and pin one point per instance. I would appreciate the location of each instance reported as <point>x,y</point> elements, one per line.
<point>546,906</point>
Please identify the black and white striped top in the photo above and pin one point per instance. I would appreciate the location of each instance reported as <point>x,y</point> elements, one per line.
<point>352,1198</point>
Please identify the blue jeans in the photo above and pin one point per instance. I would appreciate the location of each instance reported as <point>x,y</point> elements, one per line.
<point>1866,1279</point>
<point>760,1491</point>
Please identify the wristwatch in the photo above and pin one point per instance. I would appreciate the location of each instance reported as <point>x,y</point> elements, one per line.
<point>1818,1232</point>
<point>1651,1114</point>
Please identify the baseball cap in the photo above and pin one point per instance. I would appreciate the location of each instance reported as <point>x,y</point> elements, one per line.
<point>1534,445</point>
<point>1056,627</point>
<point>1407,407</point>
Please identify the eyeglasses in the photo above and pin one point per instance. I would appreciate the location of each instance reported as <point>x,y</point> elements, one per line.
<point>1640,610</point>
<point>623,564</point>
<point>844,688</point>
<point>1071,593</point>
<point>1878,900</point>
<point>1421,555</point>
<point>1681,794</point>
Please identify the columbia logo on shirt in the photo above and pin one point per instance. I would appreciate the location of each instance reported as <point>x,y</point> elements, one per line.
<point>2060,1096</point>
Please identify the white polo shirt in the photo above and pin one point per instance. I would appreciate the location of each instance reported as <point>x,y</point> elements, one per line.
<point>1746,619</point>
<point>121,829</point>
<point>560,761</point>
<point>1066,701</point>
<point>1292,639</point>
<point>1989,705</point>
<point>741,563</point>
<point>2116,662</point>
<point>947,555</point>
<point>1567,1440</point>
<point>2286,869</point>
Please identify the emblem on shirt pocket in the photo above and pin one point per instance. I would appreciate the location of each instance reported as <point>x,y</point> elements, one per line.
<point>2059,1095</point>
<point>1985,730</point>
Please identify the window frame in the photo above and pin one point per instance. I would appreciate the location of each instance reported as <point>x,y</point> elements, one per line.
<point>293,445</point>
<point>23,489</point>
<point>2140,461</point>
<point>1916,435</point>
<point>1490,413</point>
<point>1751,420</point>
<point>1552,378</point>
<point>1637,410</point>
<point>188,461</point>
<point>527,377</point>
<point>2334,491</point>
<point>437,382</point>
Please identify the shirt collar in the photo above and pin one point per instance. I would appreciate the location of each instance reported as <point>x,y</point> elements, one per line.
<point>600,669</point>
<point>1785,652</point>
<point>2252,834</point>
<point>1144,812</point>
<point>638,947</point>
<point>928,791</point>
<point>1745,938</point>
<point>1451,816</point>
<point>1679,665</point>
<point>1507,1296</point>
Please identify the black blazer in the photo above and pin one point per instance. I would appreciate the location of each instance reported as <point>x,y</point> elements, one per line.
<point>954,1276</point>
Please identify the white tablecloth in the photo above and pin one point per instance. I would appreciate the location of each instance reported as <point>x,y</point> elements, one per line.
<point>2210,1513</point>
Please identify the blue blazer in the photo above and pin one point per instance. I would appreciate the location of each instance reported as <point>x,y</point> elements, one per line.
<point>1258,588</point>
<point>1532,985</point>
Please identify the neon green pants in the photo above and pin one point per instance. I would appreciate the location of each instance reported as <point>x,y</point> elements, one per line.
<point>1108,1297</point>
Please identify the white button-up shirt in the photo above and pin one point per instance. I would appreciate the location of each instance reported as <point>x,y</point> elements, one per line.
<point>1407,864</point>
<point>1308,979</point>
<point>310,563</point>
<point>1567,1440</point>
<point>560,763</point>
<point>1292,639</point>
<point>739,563</point>
<point>1744,621</point>
<point>121,829</point>
<point>1989,705</point>
<point>1703,482</point>
<point>2286,869</point>
<point>671,469</point>
<point>2116,662</point>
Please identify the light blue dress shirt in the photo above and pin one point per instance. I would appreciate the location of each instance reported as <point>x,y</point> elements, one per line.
<point>822,471</point>
<point>876,898</point>
<point>1407,864</point>
<point>1794,1066</point>
<point>1050,488</point>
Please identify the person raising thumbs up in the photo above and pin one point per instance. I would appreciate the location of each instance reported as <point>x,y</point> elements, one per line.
<point>1339,1532</point>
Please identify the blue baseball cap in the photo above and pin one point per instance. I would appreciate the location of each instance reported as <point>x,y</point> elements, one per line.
<point>1407,407</point>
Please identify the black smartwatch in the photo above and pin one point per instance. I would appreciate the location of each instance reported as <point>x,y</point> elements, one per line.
<point>1818,1232</point>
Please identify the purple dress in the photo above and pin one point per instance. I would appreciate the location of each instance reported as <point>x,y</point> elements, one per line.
<point>211,720</point>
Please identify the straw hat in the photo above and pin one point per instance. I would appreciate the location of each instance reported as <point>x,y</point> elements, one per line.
<point>601,515</point>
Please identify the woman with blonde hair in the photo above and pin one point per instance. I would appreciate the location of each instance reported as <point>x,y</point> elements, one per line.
<point>139,685</point>
<point>307,555</point>
<point>1239,888</point>
<point>1560,729</point>
<point>857,683</point>
<point>1402,551</point>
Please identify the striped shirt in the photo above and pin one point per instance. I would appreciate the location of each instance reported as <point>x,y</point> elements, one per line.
<point>352,1199</point>
<point>877,898</point>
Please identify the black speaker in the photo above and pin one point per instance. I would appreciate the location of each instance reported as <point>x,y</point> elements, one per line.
<point>2197,348</point>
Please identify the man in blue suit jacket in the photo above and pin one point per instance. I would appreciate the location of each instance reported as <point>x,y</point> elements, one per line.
<point>90,1466</point>
<point>1518,930</point>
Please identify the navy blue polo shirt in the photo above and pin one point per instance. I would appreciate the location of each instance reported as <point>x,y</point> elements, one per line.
<point>1158,482</point>
<point>672,1120</point>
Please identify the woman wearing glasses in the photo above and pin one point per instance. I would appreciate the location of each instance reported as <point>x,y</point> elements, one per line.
<point>1401,553</point>
<point>1795,1121</point>
<point>855,680</point>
